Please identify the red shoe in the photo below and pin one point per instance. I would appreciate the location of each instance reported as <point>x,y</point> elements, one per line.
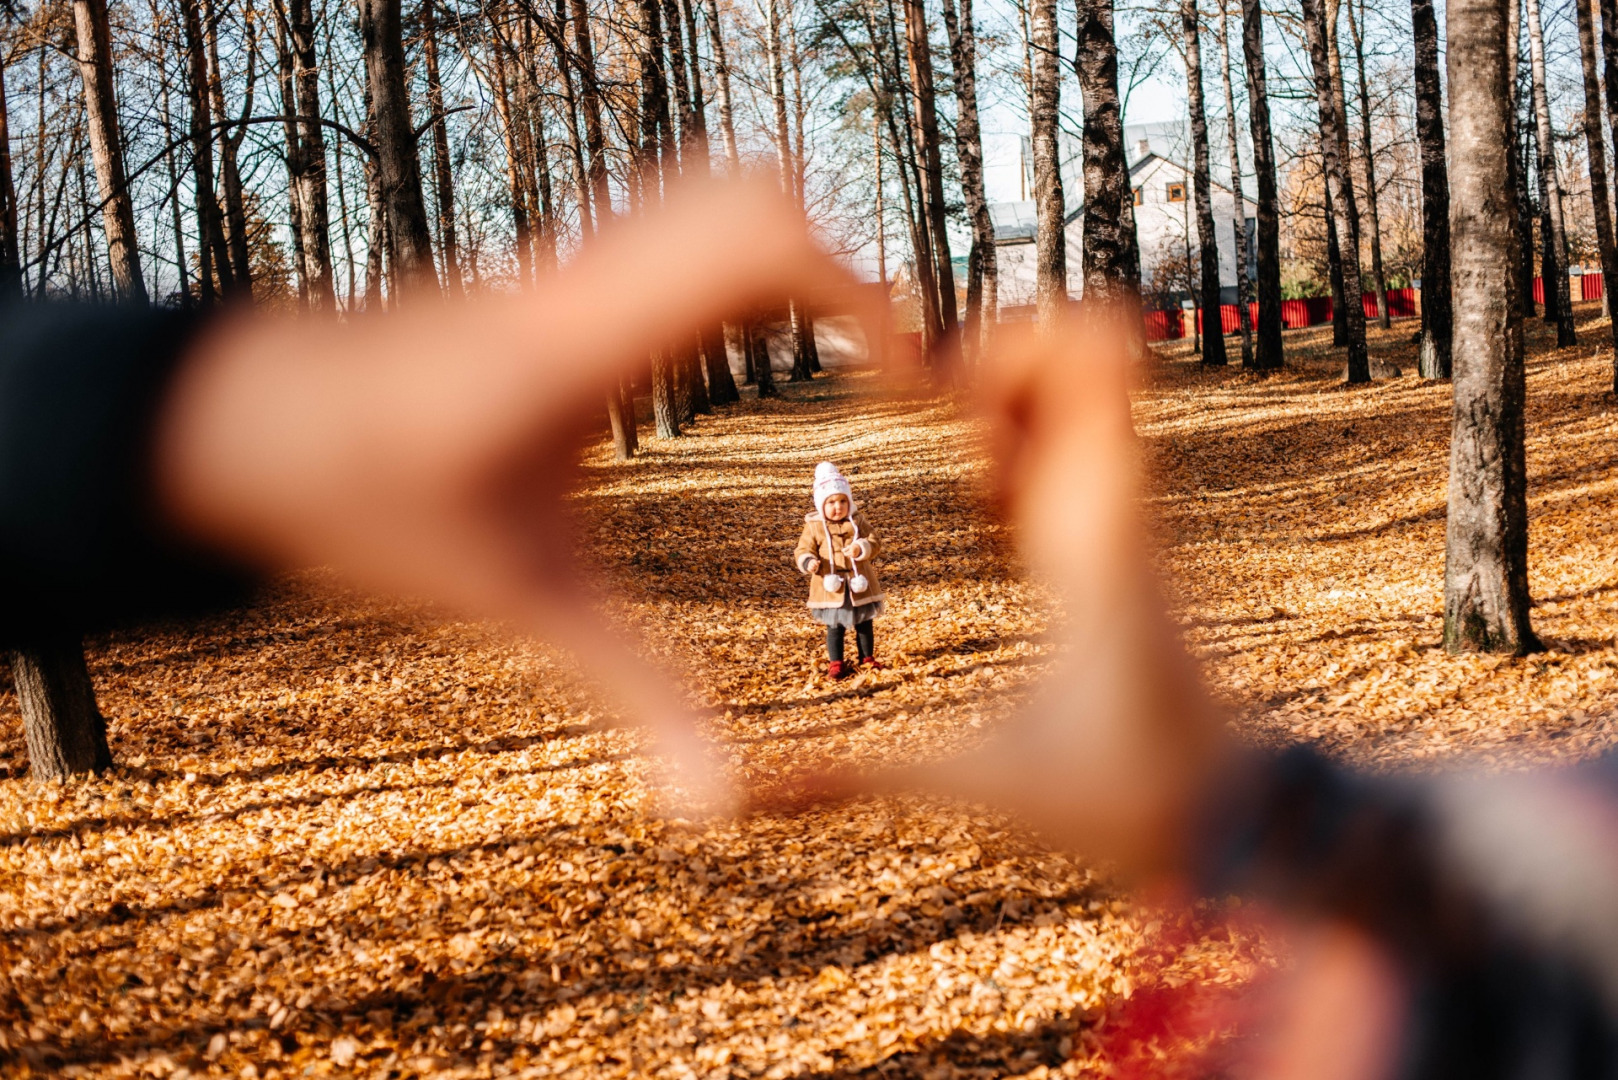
<point>871,663</point>
<point>839,669</point>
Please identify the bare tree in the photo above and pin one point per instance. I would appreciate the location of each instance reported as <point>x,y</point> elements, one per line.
<point>1596,155</point>
<point>1379,279</point>
<point>1269,352</point>
<point>982,270</point>
<point>919,55</point>
<point>1609,60</point>
<point>1437,314</point>
<point>1111,258</point>
<point>1213,344</point>
<point>1486,597</point>
<point>1522,221</point>
<point>443,178</point>
<point>1553,260</point>
<point>1243,293</point>
<point>1050,237</point>
<point>107,148</point>
<point>398,165</point>
<point>1334,153</point>
<point>10,246</point>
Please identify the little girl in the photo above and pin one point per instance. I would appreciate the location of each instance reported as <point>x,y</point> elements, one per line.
<point>836,550</point>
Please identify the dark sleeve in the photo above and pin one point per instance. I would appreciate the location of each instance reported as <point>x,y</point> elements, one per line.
<point>1507,952</point>
<point>81,547</point>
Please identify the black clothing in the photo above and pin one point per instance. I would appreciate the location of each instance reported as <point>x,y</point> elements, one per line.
<point>80,544</point>
<point>1495,896</point>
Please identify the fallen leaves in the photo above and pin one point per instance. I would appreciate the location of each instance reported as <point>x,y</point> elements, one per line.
<point>346,840</point>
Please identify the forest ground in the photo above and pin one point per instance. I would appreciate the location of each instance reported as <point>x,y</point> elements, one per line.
<point>346,839</point>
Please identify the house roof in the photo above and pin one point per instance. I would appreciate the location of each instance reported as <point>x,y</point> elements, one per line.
<point>1015,222</point>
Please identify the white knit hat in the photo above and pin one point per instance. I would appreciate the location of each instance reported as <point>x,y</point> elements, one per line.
<point>828,482</point>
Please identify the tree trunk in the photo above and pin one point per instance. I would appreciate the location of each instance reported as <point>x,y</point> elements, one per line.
<point>1373,218</point>
<point>982,269</point>
<point>557,32</point>
<point>10,247</point>
<point>881,222</point>
<point>65,731</point>
<point>804,330</point>
<point>521,222</point>
<point>1486,596</point>
<point>590,99</point>
<point>1213,333</point>
<point>914,185</point>
<point>1522,216</point>
<point>1334,145</point>
<point>1243,314</point>
<point>665,406</point>
<point>1596,152</point>
<point>622,423</point>
<point>213,257</point>
<point>1334,277</point>
<point>701,403</point>
<point>398,163</point>
<point>1050,236</point>
<point>699,109</point>
<point>918,53</point>
<point>107,149</point>
<point>1111,262</point>
<point>786,165</point>
<point>1269,352</point>
<point>655,112</point>
<point>443,178</point>
<point>682,365</point>
<point>727,116</point>
<point>377,241</point>
<point>679,79</point>
<point>721,384</point>
<point>314,196</point>
<point>1437,312</point>
<point>1609,57</point>
<point>801,371</point>
<point>763,368</point>
<point>537,173</point>
<point>1553,263</point>
<point>231,189</point>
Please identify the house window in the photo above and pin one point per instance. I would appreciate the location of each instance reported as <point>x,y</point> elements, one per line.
<point>1176,193</point>
<point>1140,196</point>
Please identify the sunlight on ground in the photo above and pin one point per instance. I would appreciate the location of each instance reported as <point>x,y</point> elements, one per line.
<point>345,840</point>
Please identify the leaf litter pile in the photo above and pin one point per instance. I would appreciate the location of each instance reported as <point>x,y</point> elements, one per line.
<point>346,839</point>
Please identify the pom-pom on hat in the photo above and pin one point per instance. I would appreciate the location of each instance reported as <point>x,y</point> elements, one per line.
<point>828,482</point>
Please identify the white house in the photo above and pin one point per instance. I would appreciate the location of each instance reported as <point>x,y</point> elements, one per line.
<point>1164,208</point>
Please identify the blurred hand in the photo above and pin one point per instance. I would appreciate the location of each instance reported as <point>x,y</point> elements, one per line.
<point>429,452</point>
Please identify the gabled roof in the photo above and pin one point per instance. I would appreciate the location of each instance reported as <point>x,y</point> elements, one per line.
<point>1021,230</point>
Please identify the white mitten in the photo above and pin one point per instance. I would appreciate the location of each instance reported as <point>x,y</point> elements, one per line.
<point>832,582</point>
<point>859,583</point>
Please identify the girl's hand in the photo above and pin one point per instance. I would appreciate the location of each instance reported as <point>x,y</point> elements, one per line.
<point>813,567</point>
<point>850,548</point>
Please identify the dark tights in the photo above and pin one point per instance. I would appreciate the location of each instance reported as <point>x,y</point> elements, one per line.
<point>864,639</point>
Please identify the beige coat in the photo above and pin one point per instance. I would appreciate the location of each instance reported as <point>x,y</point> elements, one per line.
<point>812,545</point>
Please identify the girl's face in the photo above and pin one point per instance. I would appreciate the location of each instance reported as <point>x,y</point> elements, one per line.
<point>835,508</point>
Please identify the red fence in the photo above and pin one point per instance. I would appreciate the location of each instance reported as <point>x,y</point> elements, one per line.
<point>1170,325</point>
<point>1589,287</point>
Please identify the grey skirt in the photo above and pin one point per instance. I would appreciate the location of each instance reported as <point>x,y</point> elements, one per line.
<point>848,616</point>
